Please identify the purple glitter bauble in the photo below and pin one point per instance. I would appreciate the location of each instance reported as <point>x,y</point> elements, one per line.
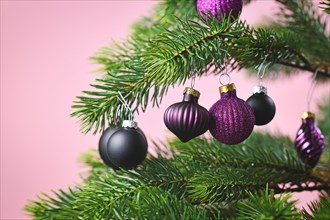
<point>187,119</point>
<point>232,119</point>
<point>309,140</point>
<point>218,7</point>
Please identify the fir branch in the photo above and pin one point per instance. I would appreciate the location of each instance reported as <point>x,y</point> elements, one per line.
<point>272,154</point>
<point>275,46</point>
<point>166,14</point>
<point>59,207</point>
<point>266,206</point>
<point>225,185</point>
<point>319,209</point>
<point>325,5</point>
<point>302,18</point>
<point>163,54</point>
<point>301,188</point>
<point>169,58</point>
<point>195,182</point>
<point>164,61</point>
<point>323,122</point>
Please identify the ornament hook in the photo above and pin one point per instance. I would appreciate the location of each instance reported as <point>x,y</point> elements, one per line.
<point>261,75</point>
<point>263,65</point>
<point>126,106</point>
<point>311,89</point>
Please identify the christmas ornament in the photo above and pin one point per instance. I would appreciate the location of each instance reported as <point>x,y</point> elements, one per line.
<point>187,119</point>
<point>127,147</point>
<point>219,7</point>
<point>309,140</point>
<point>263,106</point>
<point>103,146</point>
<point>124,147</point>
<point>232,120</point>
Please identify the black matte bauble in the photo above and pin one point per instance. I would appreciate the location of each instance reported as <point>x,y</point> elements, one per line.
<point>103,146</point>
<point>263,107</point>
<point>127,147</point>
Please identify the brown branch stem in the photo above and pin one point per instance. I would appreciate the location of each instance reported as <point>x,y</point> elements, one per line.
<point>321,70</point>
<point>301,189</point>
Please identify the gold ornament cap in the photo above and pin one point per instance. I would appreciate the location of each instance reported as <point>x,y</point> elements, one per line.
<point>227,88</point>
<point>192,92</point>
<point>305,115</point>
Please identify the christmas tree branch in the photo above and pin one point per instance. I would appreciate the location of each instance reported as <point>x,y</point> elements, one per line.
<point>271,155</point>
<point>168,54</point>
<point>164,61</point>
<point>302,17</point>
<point>318,209</point>
<point>303,188</point>
<point>187,179</point>
<point>266,206</point>
<point>325,6</point>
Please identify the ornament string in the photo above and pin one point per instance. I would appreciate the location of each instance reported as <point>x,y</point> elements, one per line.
<point>263,65</point>
<point>126,106</point>
<point>311,89</point>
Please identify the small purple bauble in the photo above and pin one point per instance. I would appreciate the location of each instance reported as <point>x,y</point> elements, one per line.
<point>309,140</point>
<point>187,119</point>
<point>232,119</point>
<point>219,7</point>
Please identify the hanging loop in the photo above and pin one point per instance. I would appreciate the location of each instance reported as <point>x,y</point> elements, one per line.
<point>192,76</point>
<point>311,89</point>
<point>225,74</point>
<point>228,79</point>
<point>126,106</point>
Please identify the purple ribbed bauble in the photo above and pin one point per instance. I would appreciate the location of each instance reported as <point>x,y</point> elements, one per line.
<point>309,140</point>
<point>187,119</point>
<point>218,7</point>
<point>232,119</point>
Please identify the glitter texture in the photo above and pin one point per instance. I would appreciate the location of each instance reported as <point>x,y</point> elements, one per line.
<point>187,119</point>
<point>218,7</point>
<point>232,120</point>
<point>309,142</point>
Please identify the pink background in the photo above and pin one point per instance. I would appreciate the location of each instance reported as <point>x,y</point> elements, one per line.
<point>45,46</point>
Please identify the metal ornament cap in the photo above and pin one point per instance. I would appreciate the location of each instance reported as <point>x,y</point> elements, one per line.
<point>259,89</point>
<point>192,92</point>
<point>227,88</point>
<point>309,140</point>
<point>129,124</point>
<point>306,115</point>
